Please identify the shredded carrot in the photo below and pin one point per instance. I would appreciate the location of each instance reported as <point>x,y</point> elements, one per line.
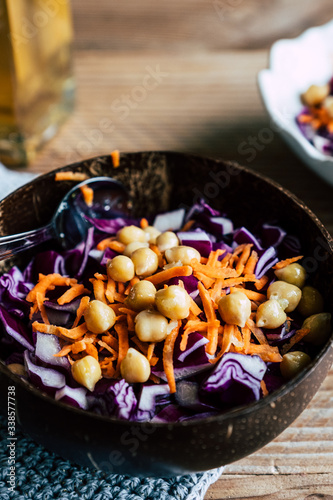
<point>111,243</point>
<point>110,290</point>
<point>119,297</point>
<point>131,284</point>
<point>229,282</point>
<point>230,336</point>
<point>106,346</point>
<point>91,350</point>
<point>266,352</point>
<point>226,259</point>
<point>259,297</point>
<point>111,341</point>
<point>261,282</point>
<point>212,330</point>
<point>161,259</point>
<point>71,294</point>
<point>213,272</point>
<point>154,379</point>
<point>70,176</point>
<point>205,280</point>
<point>78,346</point>
<point>166,275</point>
<point>243,258</point>
<point>295,339</point>
<point>168,348</point>
<point>286,262</point>
<point>201,327</point>
<point>47,283</point>
<point>88,194</point>
<point>130,323</point>
<point>246,334</point>
<point>264,388</point>
<point>257,332</point>
<point>251,263</point>
<point>143,346</point>
<point>115,158</point>
<point>144,223</point>
<point>107,367</point>
<point>80,310</point>
<point>234,257</point>
<point>213,257</point>
<point>150,351</point>
<point>194,308</point>
<point>187,226</point>
<point>99,289</point>
<point>216,291</point>
<point>123,344</point>
<point>40,304</point>
<point>33,310</point>
<point>100,276</point>
<point>66,333</point>
<point>64,351</point>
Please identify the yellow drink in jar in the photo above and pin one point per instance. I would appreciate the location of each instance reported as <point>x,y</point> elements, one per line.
<point>36,80</point>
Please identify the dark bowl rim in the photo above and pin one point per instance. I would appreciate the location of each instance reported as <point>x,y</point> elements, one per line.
<point>241,411</point>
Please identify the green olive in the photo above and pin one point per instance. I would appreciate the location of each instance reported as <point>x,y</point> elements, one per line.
<point>311,302</point>
<point>293,363</point>
<point>294,274</point>
<point>320,328</point>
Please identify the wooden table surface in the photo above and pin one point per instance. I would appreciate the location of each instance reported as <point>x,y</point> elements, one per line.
<point>204,101</point>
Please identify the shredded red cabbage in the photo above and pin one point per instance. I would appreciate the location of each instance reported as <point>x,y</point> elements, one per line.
<point>204,386</point>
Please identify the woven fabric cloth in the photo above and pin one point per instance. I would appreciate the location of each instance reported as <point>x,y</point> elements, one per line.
<point>40,475</point>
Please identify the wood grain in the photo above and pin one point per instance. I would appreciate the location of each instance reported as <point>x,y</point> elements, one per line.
<point>207,103</point>
<point>192,25</point>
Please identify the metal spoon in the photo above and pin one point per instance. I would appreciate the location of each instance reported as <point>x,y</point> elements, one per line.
<point>70,223</point>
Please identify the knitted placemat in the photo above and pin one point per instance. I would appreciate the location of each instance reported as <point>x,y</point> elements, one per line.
<point>41,475</point>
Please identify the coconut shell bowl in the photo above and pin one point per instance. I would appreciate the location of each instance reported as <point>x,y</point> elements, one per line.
<point>157,182</point>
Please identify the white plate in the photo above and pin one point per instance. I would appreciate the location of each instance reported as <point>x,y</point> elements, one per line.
<point>296,64</point>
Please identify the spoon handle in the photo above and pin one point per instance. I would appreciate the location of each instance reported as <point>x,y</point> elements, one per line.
<point>11,245</point>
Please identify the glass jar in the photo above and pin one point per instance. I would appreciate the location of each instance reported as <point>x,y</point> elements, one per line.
<point>36,79</point>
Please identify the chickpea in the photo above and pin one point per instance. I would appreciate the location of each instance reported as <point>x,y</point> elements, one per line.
<point>320,328</point>
<point>173,302</point>
<point>293,363</point>
<point>131,247</point>
<point>17,369</point>
<point>235,308</point>
<point>311,302</point>
<point>141,296</point>
<point>87,372</point>
<point>280,290</point>
<point>135,367</point>
<point>151,234</point>
<point>128,234</point>
<point>295,274</point>
<point>166,240</point>
<point>182,254</point>
<point>121,268</point>
<point>145,262</point>
<point>151,326</point>
<point>270,314</point>
<point>315,94</point>
<point>99,317</point>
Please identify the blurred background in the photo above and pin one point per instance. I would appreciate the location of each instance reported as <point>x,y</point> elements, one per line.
<point>178,76</point>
